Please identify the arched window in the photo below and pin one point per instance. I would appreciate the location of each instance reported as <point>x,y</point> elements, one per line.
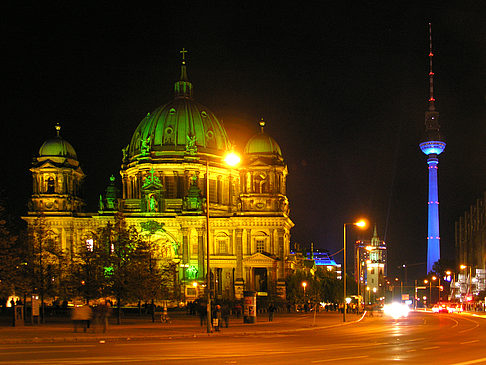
<point>261,242</point>
<point>50,185</point>
<point>222,242</point>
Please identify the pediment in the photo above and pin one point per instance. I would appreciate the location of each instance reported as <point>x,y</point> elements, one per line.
<point>259,258</point>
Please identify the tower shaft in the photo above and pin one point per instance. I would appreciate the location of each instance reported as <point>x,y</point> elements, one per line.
<point>433,235</point>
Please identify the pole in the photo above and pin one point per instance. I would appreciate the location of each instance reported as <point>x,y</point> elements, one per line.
<point>359,269</point>
<point>415,299</point>
<point>208,267</point>
<point>344,274</point>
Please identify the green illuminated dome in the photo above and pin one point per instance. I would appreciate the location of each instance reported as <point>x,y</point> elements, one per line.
<point>57,147</point>
<point>263,144</point>
<point>182,122</point>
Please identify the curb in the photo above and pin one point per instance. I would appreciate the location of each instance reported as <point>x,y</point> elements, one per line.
<point>114,338</point>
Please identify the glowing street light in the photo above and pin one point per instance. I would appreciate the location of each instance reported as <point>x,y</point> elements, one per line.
<point>361,224</point>
<point>304,285</point>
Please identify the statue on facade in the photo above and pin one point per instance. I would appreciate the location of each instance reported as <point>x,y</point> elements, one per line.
<point>125,153</point>
<point>191,147</point>
<point>145,149</point>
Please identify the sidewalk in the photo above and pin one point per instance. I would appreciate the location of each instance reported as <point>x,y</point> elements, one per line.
<point>181,325</point>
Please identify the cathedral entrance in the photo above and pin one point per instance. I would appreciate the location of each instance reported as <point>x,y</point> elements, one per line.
<point>261,280</point>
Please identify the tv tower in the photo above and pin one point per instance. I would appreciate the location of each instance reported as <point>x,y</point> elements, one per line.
<point>432,145</point>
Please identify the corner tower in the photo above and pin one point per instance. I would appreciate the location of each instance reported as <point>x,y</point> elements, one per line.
<point>57,179</point>
<point>433,144</point>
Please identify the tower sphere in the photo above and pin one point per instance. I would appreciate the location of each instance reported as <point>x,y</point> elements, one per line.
<point>432,147</point>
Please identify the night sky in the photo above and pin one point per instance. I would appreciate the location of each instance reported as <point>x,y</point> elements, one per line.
<point>343,91</point>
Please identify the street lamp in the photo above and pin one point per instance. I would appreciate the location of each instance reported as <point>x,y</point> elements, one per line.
<point>361,224</point>
<point>430,289</point>
<point>231,159</point>
<point>469,281</point>
<point>304,285</point>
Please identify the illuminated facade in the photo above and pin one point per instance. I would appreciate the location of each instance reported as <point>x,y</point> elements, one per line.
<point>471,235</point>
<point>163,178</point>
<point>370,266</point>
<point>432,145</point>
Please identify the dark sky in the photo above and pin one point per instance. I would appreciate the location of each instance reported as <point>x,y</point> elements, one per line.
<point>343,90</point>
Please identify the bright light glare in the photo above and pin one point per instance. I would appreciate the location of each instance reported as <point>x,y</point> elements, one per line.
<point>396,310</point>
<point>232,159</point>
<point>361,223</point>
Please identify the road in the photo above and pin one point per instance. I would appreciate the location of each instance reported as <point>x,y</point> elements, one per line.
<point>423,338</point>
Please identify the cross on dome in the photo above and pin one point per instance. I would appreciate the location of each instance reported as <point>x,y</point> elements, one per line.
<point>183,52</point>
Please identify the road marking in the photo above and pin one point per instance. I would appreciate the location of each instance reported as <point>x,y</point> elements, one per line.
<point>43,352</point>
<point>416,339</point>
<point>154,343</point>
<point>413,350</point>
<point>466,342</point>
<point>45,347</point>
<point>340,358</point>
<point>476,361</point>
<point>430,348</point>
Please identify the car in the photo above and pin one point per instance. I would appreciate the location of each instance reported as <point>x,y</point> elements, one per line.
<point>454,308</point>
<point>440,308</point>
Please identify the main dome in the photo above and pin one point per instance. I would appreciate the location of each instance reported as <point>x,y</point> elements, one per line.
<point>178,124</point>
<point>57,147</point>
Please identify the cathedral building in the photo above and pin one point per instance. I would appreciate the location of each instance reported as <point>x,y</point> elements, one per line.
<point>173,153</point>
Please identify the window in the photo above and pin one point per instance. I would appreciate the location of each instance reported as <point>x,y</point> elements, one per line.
<point>223,247</point>
<point>195,249</point>
<point>89,244</point>
<point>260,245</point>
<point>50,185</point>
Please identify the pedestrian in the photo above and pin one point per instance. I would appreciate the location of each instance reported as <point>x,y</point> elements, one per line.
<point>238,310</point>
<point>103,311</point>
<point>271,310</point>
<point>81,316</point>
<point>225,313</point>
<point>217,318</point>
<point>203,313</point>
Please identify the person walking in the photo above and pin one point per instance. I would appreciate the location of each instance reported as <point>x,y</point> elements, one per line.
<point>217,318</point>
<point>271,311</point>
<point>225,314</point>
<point>202,311</point>
<point>81,316</point>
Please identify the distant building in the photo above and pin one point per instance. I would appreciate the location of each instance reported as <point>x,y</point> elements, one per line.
<point>310,262</point>
<point>471,235</point>
<point>370,267</point>
<point>470,242</point>
<point>324,262</point>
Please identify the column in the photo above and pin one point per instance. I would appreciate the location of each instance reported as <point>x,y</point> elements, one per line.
<point>185,245</point>
<point>200,249</point>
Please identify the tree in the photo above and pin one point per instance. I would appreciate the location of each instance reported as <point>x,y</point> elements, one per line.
<point>330,288</point>
<point>146,251</point>
<point>295,290</point>
<point>10,260</point>
<point>120,241</point>
<point>88,277</point>
<point>46,264</point>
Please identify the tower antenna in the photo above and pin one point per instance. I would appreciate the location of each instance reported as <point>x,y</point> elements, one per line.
<point>431,72</point>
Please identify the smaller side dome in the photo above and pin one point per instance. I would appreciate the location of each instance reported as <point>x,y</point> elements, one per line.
<point>263,144</point>
<point>57,147</point>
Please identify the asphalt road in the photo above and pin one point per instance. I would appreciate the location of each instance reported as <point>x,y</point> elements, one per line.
<point>423,338</point>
